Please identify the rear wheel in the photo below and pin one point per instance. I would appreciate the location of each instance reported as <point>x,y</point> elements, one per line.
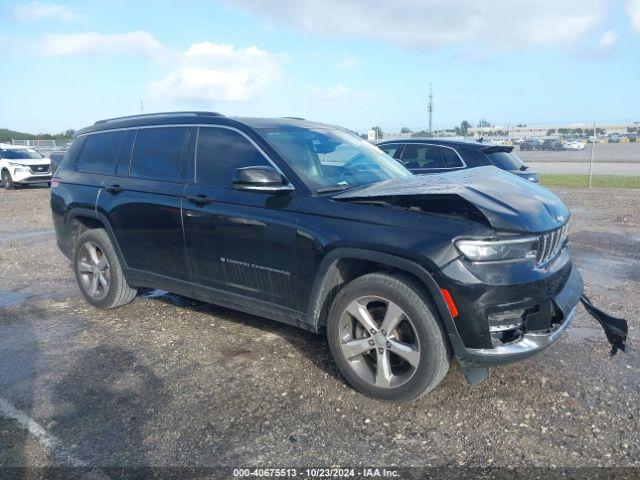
<point>7,181</point>
<point>385,338</point>
<point>99,272</point>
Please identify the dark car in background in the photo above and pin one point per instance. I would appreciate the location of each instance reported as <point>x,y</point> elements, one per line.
<point>422,156</point>
<point>531,144</point>
<point>552,145</point>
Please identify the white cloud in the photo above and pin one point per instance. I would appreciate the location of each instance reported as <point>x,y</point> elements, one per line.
<point>609,39</point>
<point>347,63</point>
<point>633,8</point>
<point>138,43</point>
<point>424,24</point>
<point>35,11</point>
<point>215,72</point>
<point>336,92</point>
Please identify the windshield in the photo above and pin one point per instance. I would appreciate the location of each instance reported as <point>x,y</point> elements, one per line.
<point>20,154</point>
<point>505,160</point>
<point>329,159</point>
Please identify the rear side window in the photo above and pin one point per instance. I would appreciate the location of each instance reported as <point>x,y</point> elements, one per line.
<point>430,156</point>
<point>100,152</point>
<point>157,153</point>
<point>220,152</point>
<point>505,160</point>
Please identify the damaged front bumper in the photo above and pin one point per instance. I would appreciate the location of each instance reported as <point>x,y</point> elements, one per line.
<point>565,303</point>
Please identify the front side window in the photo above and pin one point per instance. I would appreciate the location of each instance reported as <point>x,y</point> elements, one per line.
<point>430,156</point>
<point>220,152</point>
<point>19,154</point>
<point>157,153</point>
<point>330,159</point>
<point>99,153</point>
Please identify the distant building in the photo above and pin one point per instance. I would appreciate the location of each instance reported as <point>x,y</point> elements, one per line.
<point>538,131</point>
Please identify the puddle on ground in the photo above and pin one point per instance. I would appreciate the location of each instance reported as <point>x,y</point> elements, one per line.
<point>172,298</point>
<point>24,235</point>
<point>8,298</point>
<point>580,334</point>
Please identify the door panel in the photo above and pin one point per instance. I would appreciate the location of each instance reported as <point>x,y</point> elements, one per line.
<point>146,220</point>
<point>237,241</point>
<point>243,242</point>
<point>145,213</point>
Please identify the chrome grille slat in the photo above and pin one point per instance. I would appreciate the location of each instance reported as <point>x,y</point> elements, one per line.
<point>551,243</point>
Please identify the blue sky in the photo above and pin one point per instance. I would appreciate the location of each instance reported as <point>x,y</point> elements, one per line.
<point>355,63</point>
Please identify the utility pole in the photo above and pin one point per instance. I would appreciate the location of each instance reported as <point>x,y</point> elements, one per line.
<point>141,106</point>
<point>593,152</point>
<point>430,108</point>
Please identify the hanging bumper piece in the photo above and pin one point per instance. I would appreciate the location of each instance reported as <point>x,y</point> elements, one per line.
<point>615,329</point>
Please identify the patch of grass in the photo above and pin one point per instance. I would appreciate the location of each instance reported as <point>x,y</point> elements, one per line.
<point>582,181</point>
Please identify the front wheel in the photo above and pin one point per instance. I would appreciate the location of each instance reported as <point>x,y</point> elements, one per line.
<point>7,181</point>
<point>386,339</point>
<point>99,272</point>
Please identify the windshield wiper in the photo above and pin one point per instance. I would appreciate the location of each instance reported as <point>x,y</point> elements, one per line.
<point>337,188</point>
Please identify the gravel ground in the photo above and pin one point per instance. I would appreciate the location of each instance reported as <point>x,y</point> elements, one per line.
<point>170,381</point>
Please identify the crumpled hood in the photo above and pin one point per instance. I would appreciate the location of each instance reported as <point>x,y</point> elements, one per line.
<point>507,201</point>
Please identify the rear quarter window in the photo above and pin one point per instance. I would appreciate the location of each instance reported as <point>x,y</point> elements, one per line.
<point>99,153</point>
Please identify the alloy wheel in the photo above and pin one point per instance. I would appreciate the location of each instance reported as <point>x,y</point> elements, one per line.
<point>94,270</point>
<point>379,342</point>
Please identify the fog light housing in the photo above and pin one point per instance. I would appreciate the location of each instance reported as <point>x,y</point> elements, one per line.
<point>506,320</point>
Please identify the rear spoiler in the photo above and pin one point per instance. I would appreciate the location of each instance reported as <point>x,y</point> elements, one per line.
<point>498,148</point>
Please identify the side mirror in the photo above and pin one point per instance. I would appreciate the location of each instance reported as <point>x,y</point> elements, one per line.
<point>260,179</point>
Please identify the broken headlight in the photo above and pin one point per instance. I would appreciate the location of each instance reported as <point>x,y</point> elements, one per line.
<point>497,250</point>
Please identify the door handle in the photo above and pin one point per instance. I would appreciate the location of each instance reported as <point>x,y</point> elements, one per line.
<point>199,200</point>
<point>114,189</point>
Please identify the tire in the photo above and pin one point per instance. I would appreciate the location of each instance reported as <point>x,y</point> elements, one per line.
<point>98,271</point>
<point>7,181</point>
<point>418,328</point>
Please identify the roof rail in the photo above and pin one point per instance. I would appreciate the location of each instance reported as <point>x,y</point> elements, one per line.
<point>160,114</point>
<point>296,118</point>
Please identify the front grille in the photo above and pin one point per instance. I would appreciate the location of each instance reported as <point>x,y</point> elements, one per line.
<point>39,169</point>
<point>551,243</point>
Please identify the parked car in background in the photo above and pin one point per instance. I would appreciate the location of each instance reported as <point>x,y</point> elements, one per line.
<point>436,156</point>
<point>614,138</point>
<point>574,145</point>
<point>309,224</point>
<point>552,144</point>
<point>531,144</point>
<point>56,158</point>
<point>21,165</point>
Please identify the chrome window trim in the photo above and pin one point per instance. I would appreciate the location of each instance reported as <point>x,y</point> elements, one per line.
<point>464,164</point>
<point>197,126</point>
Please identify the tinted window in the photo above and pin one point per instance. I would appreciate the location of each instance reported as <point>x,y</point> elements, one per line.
<point>100,152</point>
<point>505,160</point>
<point>157,153</point>
<point>430,156</point>
<point>219,152</point>
<point>390,150</point>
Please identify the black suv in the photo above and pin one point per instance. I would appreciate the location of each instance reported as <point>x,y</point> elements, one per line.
<point>310,225</point>
<point>430,155</point>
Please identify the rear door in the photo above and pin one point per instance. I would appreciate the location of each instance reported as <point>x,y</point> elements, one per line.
<point>238,242</point>
<point>143,202</point>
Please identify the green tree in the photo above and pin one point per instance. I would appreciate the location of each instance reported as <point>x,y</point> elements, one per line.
<point>405,130</point>
<point>484,123</point>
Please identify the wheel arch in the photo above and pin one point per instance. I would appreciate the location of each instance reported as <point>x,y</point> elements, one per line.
<point>345,264</point>
<point>79,220</point>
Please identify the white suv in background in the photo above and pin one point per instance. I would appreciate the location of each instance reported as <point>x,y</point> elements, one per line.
<point>23,165</point>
